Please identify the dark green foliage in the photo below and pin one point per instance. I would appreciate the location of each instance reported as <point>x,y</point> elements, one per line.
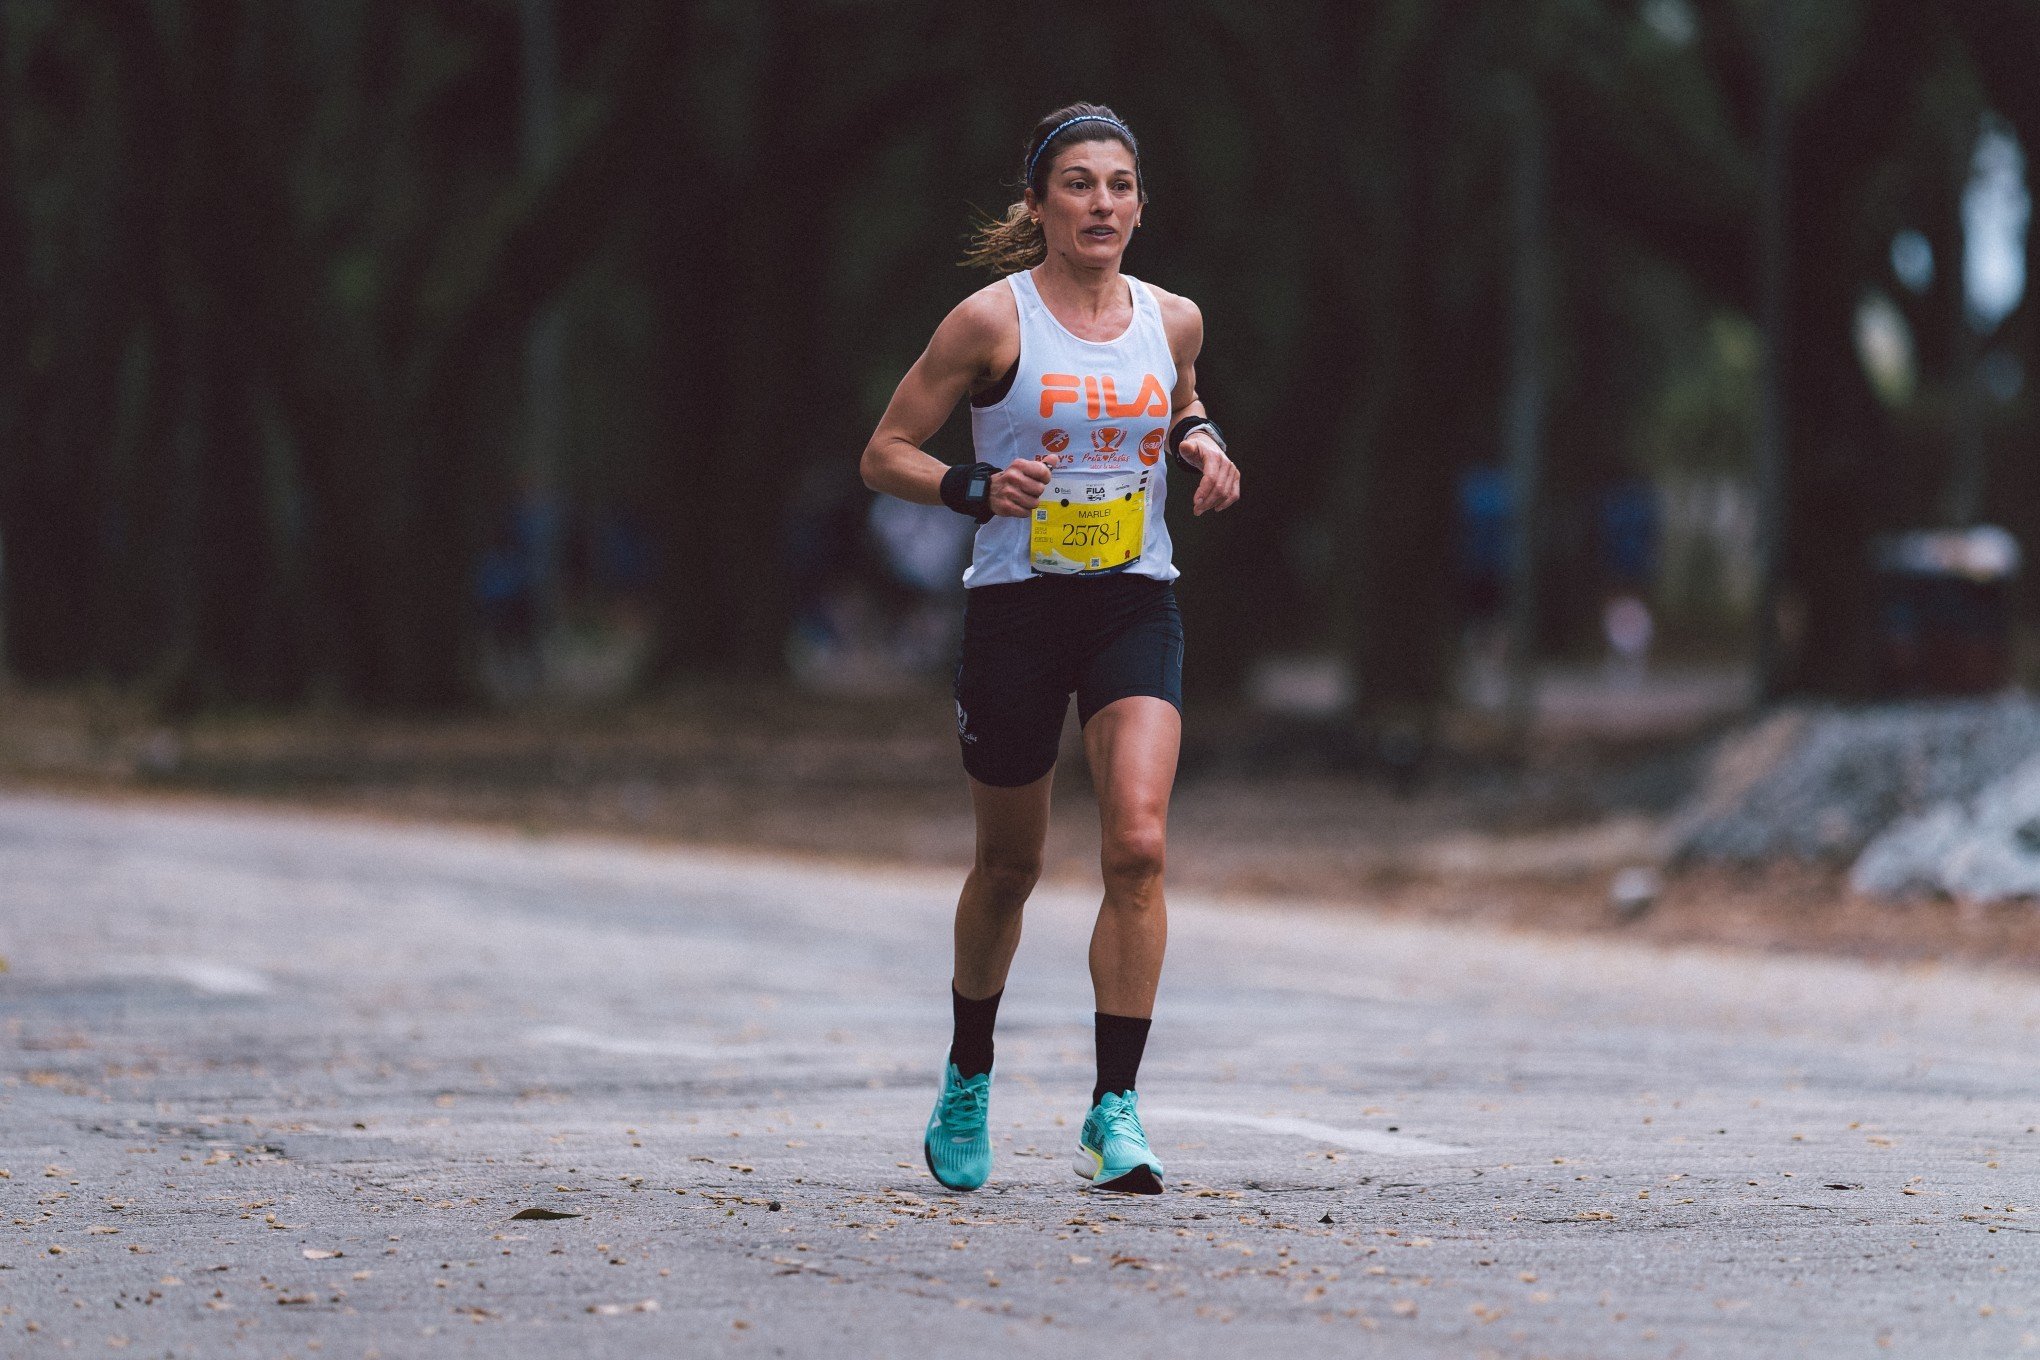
<point>268,268</point>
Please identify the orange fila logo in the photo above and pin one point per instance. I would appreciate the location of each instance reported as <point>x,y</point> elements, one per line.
<point>1055,441</point>
<point>1099,396</point>
<point>1151,446</point>
<point>1107,439</point>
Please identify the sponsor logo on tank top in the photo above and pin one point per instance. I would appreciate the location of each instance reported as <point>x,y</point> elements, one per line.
<point>1108,447</point>
<point>1055,441</point>
<point>1100,397</point>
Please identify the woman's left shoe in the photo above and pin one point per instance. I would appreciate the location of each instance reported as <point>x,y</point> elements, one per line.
<point>1113,1152</point>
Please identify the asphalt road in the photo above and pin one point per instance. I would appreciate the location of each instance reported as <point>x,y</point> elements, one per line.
<point>276,1085</point>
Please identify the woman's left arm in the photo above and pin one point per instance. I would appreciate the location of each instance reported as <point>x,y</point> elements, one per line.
<point>1219,486</point>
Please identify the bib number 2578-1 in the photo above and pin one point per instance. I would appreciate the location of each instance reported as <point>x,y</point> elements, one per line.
<point>1089,523</point>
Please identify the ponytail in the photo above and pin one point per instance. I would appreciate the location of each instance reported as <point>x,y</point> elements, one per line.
<point>1007,245</point>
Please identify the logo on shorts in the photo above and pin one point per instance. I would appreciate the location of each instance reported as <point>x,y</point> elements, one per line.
<point>1151,447</point>
<point>963,724</point>
<point>1055,441</point>
<point>1108,438</point>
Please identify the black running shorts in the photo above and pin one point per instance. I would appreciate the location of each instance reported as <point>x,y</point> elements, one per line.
<point>1028,645</point>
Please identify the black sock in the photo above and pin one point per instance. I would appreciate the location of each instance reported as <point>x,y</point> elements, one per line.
<point>1120,1041</point>
<point>970,1045</point>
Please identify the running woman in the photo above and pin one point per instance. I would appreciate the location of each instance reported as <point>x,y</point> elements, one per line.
<point>1080,380</point>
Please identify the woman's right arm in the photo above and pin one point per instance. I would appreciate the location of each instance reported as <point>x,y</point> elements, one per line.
<point>962,352</point>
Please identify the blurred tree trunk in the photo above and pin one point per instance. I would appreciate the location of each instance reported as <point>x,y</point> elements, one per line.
<point>1405,541</point>
<point>14,374</point>
<point>545,396</point>
<point>750,403</point>
<point>1522,442</point>
<point>1349,429</point>
<point>735,406</point>
<point>1839,489</point>
<point>1775,34</point>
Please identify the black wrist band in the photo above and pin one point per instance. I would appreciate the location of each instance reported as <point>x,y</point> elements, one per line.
<point>1182,430</point>
<point>967,489</point>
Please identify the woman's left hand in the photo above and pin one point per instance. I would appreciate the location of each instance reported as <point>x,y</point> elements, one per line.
<point>1220,483</point>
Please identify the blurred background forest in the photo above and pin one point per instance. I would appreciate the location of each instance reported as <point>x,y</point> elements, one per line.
<point>411,353</point>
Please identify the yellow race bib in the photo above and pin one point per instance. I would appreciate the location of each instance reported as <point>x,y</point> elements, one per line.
<point>1089,522</point>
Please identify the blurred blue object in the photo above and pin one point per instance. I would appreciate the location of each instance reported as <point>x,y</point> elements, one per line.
<point>1629,535</point>
<point>1486,520</point>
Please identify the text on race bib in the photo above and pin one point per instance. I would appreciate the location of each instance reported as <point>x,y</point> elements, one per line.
<point>1089,523</point>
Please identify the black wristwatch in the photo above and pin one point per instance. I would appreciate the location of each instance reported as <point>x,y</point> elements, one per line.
<point>967,489</point>
<point>1186,427</point>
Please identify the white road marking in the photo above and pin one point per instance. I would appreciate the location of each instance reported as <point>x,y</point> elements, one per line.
<point>202,975</point>
<point>1359,1140</point>
<point>566,1036</point>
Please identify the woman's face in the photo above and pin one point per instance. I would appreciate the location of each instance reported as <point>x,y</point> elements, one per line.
<point>1091,203</point>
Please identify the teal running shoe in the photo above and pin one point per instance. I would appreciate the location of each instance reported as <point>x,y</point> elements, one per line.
<point>1112,1151</point>
<point>958,1145</point>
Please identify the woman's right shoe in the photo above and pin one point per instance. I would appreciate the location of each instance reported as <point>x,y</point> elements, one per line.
<point>958,1144</point>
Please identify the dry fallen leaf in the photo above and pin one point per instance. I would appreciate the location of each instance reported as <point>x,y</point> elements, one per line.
<point>320,1254</point>
<point>542,1213</point>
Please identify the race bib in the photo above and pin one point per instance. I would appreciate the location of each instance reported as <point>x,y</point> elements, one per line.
<point>1089,522</point>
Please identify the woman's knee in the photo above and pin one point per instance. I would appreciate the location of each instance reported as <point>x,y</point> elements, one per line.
<point>1133,856</point>
<point>1008,876</point>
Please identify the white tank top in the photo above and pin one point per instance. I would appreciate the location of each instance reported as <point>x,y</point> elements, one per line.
<point>1104,406</point>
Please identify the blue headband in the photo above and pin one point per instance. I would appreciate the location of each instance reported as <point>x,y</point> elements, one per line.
<point>1071,122</point>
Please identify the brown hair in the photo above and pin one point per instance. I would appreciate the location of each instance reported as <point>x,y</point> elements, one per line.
<point>1009,244</point>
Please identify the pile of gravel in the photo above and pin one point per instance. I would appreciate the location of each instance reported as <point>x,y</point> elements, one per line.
<point>1819,784</point>
<point>1980,849</point>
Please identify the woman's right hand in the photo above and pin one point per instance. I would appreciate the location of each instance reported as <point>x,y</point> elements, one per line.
<point>1017,489</point>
